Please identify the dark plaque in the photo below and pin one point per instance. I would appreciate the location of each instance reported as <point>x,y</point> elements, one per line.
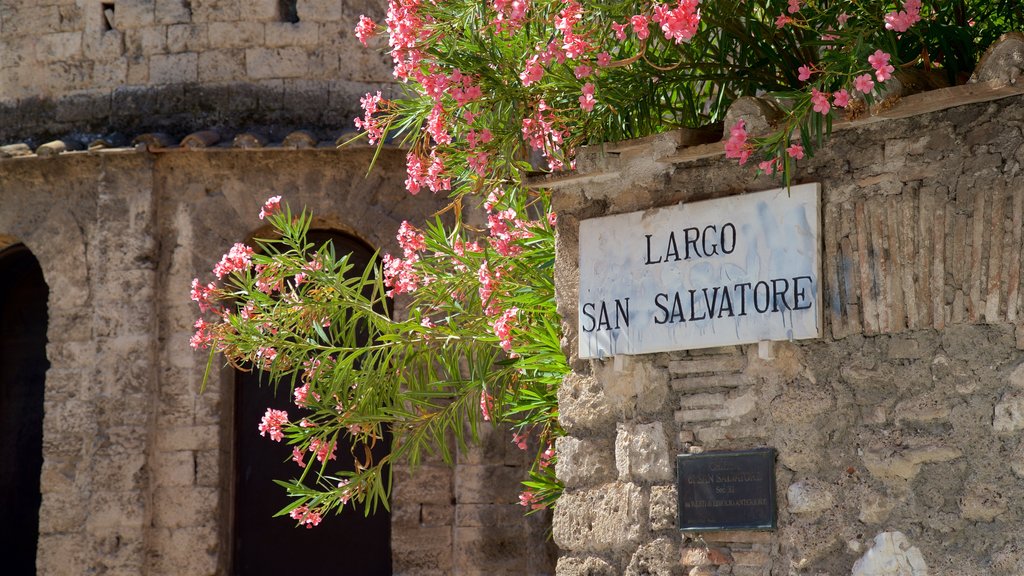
<point>727,490</point>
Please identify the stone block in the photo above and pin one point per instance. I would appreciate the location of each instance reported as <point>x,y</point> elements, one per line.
<point>584,566</point>
<point>809,497</point>
<point>222,35</point>
<point>584,461</point>
<point>582,405</point>
<point>892,554</point>
<point>260,10</point>
<point>174,438</point>
<point>425,551</point>
<point>134,14</point>
<point>216,10</point>
<point>31,18</point>
<point>634,386</point>
<point>319,10</point>
<point>282,34</point>
<point>1003,62</point>
<point>603,519</point>
<point>174,468</point>
<point>187,38</point>
<point>1008,414</point>
<point>108,75</point>
<point>905,463</point>
<point>174,68</point>
<point>172,12</point>
<point>664,507</point>
<point>641,453</point>
<point>178,507</point>
<point>221,65</point>
<point>488,484</point>
<point>208,467</point>
<point>657,558</point>
<point>59,46</point>
<point>426,483</point>
<point>483,515</point>
<point>498,548</point>
<point>265,63</point>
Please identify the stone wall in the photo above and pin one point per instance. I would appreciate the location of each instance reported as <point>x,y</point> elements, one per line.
<point>137,464</point>
<point>898,431</point>
<point>139,65</point>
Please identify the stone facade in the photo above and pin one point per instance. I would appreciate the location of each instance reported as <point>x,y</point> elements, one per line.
<point>137,463</point>
<point>898,431</point>
<point>80,66</point>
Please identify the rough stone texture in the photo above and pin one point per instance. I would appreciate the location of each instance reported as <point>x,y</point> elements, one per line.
<point>609,517</point>
<point>137,463</point>
<point>1003,62</point>
<point>891,555</point>
<point>904,416</point>
<point>641,453</point>
<point>809,497</point>
<point>61,64</point>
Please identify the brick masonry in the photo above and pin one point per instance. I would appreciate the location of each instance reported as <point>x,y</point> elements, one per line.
<point>896,430</point>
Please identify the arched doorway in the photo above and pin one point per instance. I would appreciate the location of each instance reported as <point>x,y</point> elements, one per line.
<point>349,543</point>
<point>23,365</point>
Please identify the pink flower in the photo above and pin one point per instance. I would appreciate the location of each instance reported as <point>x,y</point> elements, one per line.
<point>202,294</point>
<point>863,84</point>
<point>587,100</point>
<point>203,336</point>
<point>769,166</point>
<point>305,516</point>
<point>369,124</point>
<point>297,457</point>
<point>410,239</point>
<point>640,26</point>
<point>782,20</point>
<point>794,6</point>
<point>796,151</point>
<point>843,18</point>
<point>272,422</point>
<point>486,404</point>
<point>582,71</point>
<point>804,73</point>
<point>502,327</point>
<point>273,204</point>
<point>323,450</point>
<point>620,31</point>
<point>604,59</point>
<point>533,71</point>
<point>400,275</point>
<point>880,62</point>
<point>530,500</point>
<point>436,126</point>
<point>680,23</point>
<point>820,101</point>
<point>841,99</point>
<point>552,218</point>
<point>365,29</point>
<point>902,21</point>
<point>736,146</point>
<point>547,456</point>
<point>520,440</point>
<point>238,259</point>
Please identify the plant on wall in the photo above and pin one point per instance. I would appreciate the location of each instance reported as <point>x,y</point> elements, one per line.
<point>494,93</point>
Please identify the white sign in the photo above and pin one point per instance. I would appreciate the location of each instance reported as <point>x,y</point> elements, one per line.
<point>735,270</point>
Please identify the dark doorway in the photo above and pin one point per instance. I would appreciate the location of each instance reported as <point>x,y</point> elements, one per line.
<point>346,544</point>
<point>23,365</point>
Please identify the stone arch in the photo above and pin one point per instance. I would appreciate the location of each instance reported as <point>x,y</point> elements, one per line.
<point>23,325</point>
<point>259,542</point>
